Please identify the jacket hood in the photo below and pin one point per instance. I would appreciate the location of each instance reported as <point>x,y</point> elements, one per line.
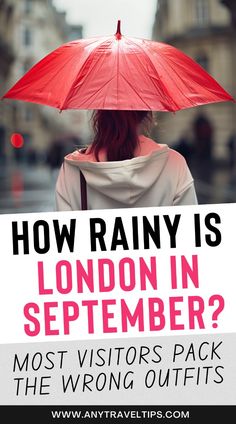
<point>124,181</point>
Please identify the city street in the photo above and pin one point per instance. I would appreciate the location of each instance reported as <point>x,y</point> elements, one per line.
<point>218,187</point>
<point>25,188</point>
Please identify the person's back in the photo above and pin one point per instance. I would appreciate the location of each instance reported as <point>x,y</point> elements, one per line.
<point>124,169</point>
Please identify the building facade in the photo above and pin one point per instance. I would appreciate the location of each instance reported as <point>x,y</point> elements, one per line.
<point>205,31</point>
<point>6,60</point>
<point>37,28</point>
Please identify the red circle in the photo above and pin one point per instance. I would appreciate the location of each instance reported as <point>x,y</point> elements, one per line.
<point>17,140</point>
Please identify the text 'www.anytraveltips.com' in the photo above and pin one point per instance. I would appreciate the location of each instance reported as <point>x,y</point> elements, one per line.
<point>119,414</point>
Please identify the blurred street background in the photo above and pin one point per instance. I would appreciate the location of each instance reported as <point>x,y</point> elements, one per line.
<point>34,138</point>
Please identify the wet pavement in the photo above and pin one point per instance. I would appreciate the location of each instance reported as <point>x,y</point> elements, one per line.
<point>25,188</point>
<point>217,185</point>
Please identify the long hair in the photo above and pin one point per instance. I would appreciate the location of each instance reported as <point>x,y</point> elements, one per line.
<point>116,132</point>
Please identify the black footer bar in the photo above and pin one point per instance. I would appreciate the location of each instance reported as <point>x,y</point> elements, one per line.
<point>117,414</point>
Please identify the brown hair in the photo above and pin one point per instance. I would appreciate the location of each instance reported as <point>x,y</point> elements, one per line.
<point>116,131</point>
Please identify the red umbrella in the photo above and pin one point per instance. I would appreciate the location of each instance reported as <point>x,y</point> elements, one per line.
<point>118,72</point>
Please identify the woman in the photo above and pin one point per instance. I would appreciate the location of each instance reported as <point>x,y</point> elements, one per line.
<point>123,168</point>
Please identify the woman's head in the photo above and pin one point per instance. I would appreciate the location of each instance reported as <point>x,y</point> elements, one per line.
<point>117,132</point>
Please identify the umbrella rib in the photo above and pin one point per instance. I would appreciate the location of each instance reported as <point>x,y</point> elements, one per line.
<point>182,92</point>
<point>87,74</point>
<point>53,76</point>
<point>128,82</point>
<point>179,76</point>
<point>173,70</point>
<point>154,68</point>
<point>80,70</point>
<point>172,79</point>
<point>135,91</point>
<point>117,72</point>
<point>98,91</point>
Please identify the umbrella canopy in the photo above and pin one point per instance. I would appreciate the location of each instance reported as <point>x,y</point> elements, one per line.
<point>118,72</point>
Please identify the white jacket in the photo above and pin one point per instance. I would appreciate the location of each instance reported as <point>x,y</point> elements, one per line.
<point>156,176</point>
